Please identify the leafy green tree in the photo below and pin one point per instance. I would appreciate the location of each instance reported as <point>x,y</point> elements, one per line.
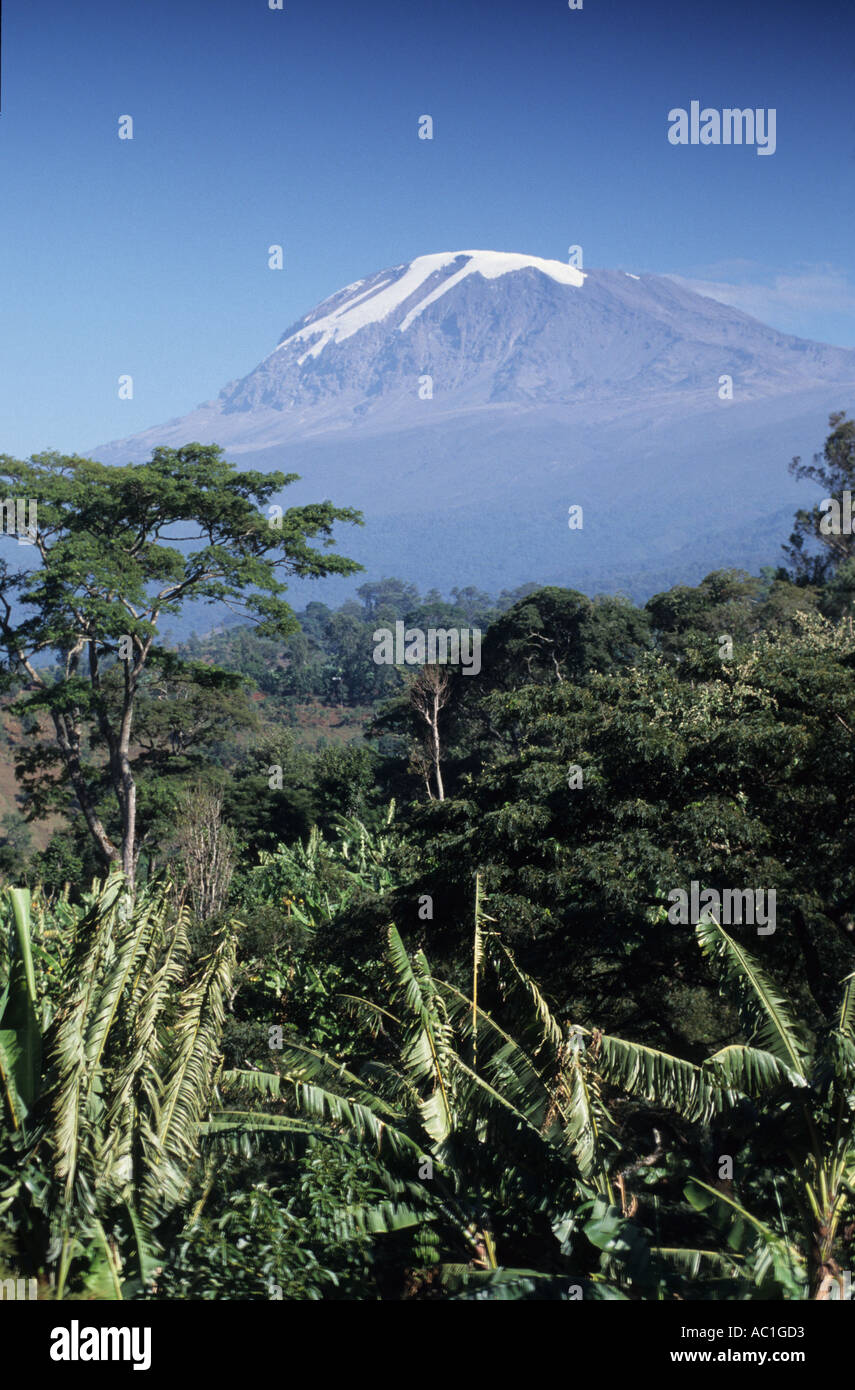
<point>70,860</point>
<point>352,675</point>
<point>836,597</point>
<point>16,845</point>
<point>343,780</point>
<point>262,1233</point>
<point>690,623</point>
<point>110,567</point>
<point>594,801</point>
<point>268,793</point>
<point>191,722</point>
<point>478,609</point>
<point>387,599</point>
<point>816,550</point>
<point>558,634</point>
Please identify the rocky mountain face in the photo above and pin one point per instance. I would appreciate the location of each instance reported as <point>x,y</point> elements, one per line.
<point>467,400</point>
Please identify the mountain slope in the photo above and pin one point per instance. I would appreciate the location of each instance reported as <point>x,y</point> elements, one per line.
<point>467,399</point>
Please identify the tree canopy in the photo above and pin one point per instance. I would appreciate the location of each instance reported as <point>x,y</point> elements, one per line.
<point>118,549</point>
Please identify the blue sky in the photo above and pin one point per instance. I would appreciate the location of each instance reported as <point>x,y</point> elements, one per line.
<point>300,127</point>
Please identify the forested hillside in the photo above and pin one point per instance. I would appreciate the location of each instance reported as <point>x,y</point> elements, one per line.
<point>333,977</point>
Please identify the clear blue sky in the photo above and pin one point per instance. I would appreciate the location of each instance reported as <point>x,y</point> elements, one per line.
<point>255,126</point>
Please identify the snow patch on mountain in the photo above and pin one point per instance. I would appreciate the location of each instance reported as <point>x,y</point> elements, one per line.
<point>492,264</point>
<point>383,297</point>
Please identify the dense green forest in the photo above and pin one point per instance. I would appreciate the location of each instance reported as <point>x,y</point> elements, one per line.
<point>334,978</point>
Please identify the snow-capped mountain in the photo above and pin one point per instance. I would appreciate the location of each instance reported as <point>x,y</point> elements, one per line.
<point>465,400</point>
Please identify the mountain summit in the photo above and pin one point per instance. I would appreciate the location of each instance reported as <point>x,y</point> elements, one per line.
<point>397,297</point>
<point>466,399</point>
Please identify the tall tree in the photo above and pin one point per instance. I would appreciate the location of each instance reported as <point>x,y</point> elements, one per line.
<point>117,550</point>
<point>592,801</point>
<point>428,694</point>
<point>834,471</point>
<point>553,635</point>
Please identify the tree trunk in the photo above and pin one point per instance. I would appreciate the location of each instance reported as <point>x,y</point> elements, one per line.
<point>129,828</point>
<point>429,694</point>
<point>71,758</point>
<point>434,728</point>
<point>126,788</point>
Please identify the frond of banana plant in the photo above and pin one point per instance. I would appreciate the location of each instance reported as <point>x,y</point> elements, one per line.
<point>20,1033</point>
<point>625,1248</point>
<point>427,1054</point>
<point>384,1218</point>
<point>766,1015</point>
<point>266,1084</point>
<point>171,1147</point>
<point>101,1096</point>
<point>583,1114</point>
<point>515,984</point>
<point>751,1071</point>
<point>133,931</point>
<point>693,1263</point>
<point>328,1095</point>
<point>836,1067</point>
<point>77,1038</point>
<point>303,1065</point>
<point>846,1018</point>
<point>828,1168</point>
<point>464,1091</point>
<point>480,1101</point>
<point>772,1255</point>
<point>240,1124</point>
<point>388,1083</point>
<point>500,1058</point>
<point>135,1087</point>
<point>332,1112</point>
<point>561,1095</point>
<point>659,1077</point>
<point>375,1018</point>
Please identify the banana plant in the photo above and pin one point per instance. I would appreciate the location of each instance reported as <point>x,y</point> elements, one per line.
<point>804,1089</point>
<point>20,1031</point>
<point>106,1128</point>
<point>321,877</point>
<point>483,1140</point>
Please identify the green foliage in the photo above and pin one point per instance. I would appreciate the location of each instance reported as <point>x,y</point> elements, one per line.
<point>111,567</point>
<point>20,1034</point>
<point>573,1095</point>
<point>258,1241</point>
<point>816,553</point>
<point>103,1138</point>
<point>743,778</point>
<point>487,1147</point>
<point>690,623</point>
